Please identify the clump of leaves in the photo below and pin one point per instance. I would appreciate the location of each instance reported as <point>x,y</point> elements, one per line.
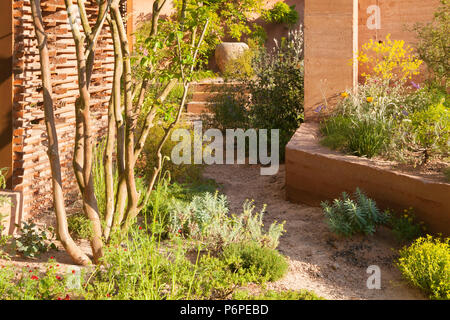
<point>30,284</point>
<point>281,13</point>
<point>275,295</point>
<point>434,42</point>
<point>79,226</point>
<point>428,130</point>
<point>347,217</point>
<point>206,218</point>
<point>447,174</point>
<point>263,264</point>
<point>32,242</point>
<point>426,264</point>
<point>405,227</point>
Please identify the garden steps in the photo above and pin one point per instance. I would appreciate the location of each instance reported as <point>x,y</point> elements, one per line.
<point>204,92</point>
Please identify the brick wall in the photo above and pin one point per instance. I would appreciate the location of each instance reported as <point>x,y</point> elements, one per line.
<point>31,170</point>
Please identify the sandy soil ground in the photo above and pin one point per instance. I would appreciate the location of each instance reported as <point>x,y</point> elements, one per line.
<point>332,267</point>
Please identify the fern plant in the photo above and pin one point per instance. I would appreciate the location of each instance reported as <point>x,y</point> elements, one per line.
<point>347,216</point>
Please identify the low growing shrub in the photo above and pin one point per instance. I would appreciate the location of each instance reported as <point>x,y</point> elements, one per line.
<point>262,264</point>
<point>347,216</point>
<point>31,241</point>
<point>426,264</point>
<point>275,295</point>
<point>428,130</point>
<point>405,226</point>
<point>79,226</point>
<point>28,284</point>
<point>206,218</point>
<point>281,13</point>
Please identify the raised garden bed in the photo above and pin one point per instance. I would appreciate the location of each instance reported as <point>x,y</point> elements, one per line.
<point>315,173</point>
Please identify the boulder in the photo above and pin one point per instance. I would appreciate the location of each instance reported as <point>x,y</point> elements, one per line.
<point>227,51</point>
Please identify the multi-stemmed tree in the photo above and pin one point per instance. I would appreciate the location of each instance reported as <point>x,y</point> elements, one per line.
<point>168,57</point>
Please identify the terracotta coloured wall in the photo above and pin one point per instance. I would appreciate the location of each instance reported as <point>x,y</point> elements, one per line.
<point>327,54</point>
<point>31,174</point>
<point>6,53</point>
<point>330,42</point>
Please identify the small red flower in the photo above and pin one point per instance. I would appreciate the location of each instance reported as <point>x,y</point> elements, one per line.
<point>30,270</point>
<point>57,265</point>
<point>73,271</point>
<point>58,278</point>
<point>52,258</point>
<point>34,278</point>
<point>59,298</point>
<point>140,228</point>
<point>67,297</point>
<point>179,231</point>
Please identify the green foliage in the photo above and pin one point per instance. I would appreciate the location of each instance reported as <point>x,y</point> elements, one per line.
<point>3,200</point>
<point>405,227</point>
<point>138,268</point>
<point>447,173</point>
<point>348,216</point>
<point>434,43</point>
<point>241,68</point>
<point>281,13</point>
<point>206,218</point>
<point>32,242</point>
<point>360,137</point>
<point>32,285</point>
<point>426,264</point>
<point>272,98</point>
<point>259,263</point>
<point>392,121</point>
<point>98,173</point>
<point>80,227</point>
<point>148,159</point>
<point>275,295</point>
<point>428,130</point>
<point>229,109</point>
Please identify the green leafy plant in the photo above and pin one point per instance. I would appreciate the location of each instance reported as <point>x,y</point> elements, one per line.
<point>405,227</point>
<point>273,97</point>
<point>434,42</point>
<point>79,226</point>
<point>28,284</point>
<point>347,216</point>
<point>32,242</point>
<point>428,130</point>
<point>281,13</point>
<point>426,264</point>
<point>447,174</point>
<point>137,268</point>
<point>360,137</point>
<point>275,295</point>
<point>206,218</point>
<point>263,264</point>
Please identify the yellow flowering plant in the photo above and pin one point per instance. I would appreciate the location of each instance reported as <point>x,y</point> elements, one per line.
<point>389,60</point>
<point>426,264</point>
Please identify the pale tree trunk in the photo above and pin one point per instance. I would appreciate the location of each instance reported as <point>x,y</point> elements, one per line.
<point>130,116</point>
<point>53,153</point>
<point>85,50</point>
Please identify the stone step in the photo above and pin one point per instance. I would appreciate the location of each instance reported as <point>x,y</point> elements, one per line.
<point>203,96</point>
<point>197,107</point>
